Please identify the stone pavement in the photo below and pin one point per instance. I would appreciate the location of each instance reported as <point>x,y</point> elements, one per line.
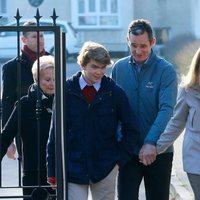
<point>179,189</point>
<point>180,186</point>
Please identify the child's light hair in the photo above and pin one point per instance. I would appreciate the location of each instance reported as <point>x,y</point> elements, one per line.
<point>45,62</point>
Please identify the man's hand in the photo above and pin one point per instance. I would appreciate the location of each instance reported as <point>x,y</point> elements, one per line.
<point>11,151</point>
<point>147,154</point>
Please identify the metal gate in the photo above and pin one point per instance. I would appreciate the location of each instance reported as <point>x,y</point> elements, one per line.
<point>60,77</point>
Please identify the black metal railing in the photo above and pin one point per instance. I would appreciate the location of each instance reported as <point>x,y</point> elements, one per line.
<point>60,77</point>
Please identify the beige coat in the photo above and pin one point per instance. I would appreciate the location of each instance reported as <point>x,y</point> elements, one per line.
<point>186,115</point>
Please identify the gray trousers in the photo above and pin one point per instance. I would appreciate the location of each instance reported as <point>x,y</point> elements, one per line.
<point>104,189</point>
<point>194,180</point>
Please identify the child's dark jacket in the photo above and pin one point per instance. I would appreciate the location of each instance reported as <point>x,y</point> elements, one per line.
<point>92,141</point>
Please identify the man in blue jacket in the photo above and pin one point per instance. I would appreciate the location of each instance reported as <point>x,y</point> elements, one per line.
<point>151,86</point>
<point>95,106</point>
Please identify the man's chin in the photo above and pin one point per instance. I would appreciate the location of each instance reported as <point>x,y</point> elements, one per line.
<point>140,61</point>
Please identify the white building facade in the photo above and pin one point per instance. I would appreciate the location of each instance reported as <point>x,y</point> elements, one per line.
<point>106,21</point>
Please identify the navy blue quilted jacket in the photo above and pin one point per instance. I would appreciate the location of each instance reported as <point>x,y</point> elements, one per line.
<point>93,146</point>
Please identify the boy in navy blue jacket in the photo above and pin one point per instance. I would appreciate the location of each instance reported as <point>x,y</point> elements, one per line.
<point>95,106</point>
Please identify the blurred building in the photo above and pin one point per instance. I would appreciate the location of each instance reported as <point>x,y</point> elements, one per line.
<point>106,21</point>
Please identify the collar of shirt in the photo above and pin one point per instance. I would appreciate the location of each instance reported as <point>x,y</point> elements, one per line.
<point>83,83</point>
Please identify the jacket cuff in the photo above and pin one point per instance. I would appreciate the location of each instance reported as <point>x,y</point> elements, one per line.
<point>51,180</point>
<point>150,142</point>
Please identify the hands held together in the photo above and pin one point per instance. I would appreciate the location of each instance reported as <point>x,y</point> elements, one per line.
<point>147,154</point>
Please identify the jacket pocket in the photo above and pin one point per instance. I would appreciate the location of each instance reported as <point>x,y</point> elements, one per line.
<point>191,116</point>
<point>75,165</point>
<point>194,116</point>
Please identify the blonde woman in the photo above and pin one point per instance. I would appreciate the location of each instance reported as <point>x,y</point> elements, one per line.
<point>187,116</point>
<point>34,144</point>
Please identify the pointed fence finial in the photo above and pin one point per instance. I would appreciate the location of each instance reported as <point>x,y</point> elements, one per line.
<point>18,16</point>
<point>37,17</point>
<point>54,17</point>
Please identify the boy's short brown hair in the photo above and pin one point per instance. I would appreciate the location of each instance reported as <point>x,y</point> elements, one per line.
<point>93,51</point>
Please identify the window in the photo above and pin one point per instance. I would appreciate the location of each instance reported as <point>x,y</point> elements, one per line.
<point>96,13</point>
<point>162,35</point>
<point>3,7</point>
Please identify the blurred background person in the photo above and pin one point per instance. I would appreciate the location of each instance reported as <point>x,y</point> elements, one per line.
<point>10,79</point>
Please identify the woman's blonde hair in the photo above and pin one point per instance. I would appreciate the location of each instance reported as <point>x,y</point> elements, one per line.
<point>193,76</point>
<point>45,62</point>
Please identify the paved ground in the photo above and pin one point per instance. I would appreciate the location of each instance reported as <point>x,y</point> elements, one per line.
<point>179,178</point>
<point>10,179</point>
<point>180,188</point>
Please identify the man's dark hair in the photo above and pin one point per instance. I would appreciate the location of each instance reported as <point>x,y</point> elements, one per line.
<point>28,23</point>
<point>139,26</point>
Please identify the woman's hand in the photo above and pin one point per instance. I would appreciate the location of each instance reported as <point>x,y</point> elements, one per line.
<point>11,151</point>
